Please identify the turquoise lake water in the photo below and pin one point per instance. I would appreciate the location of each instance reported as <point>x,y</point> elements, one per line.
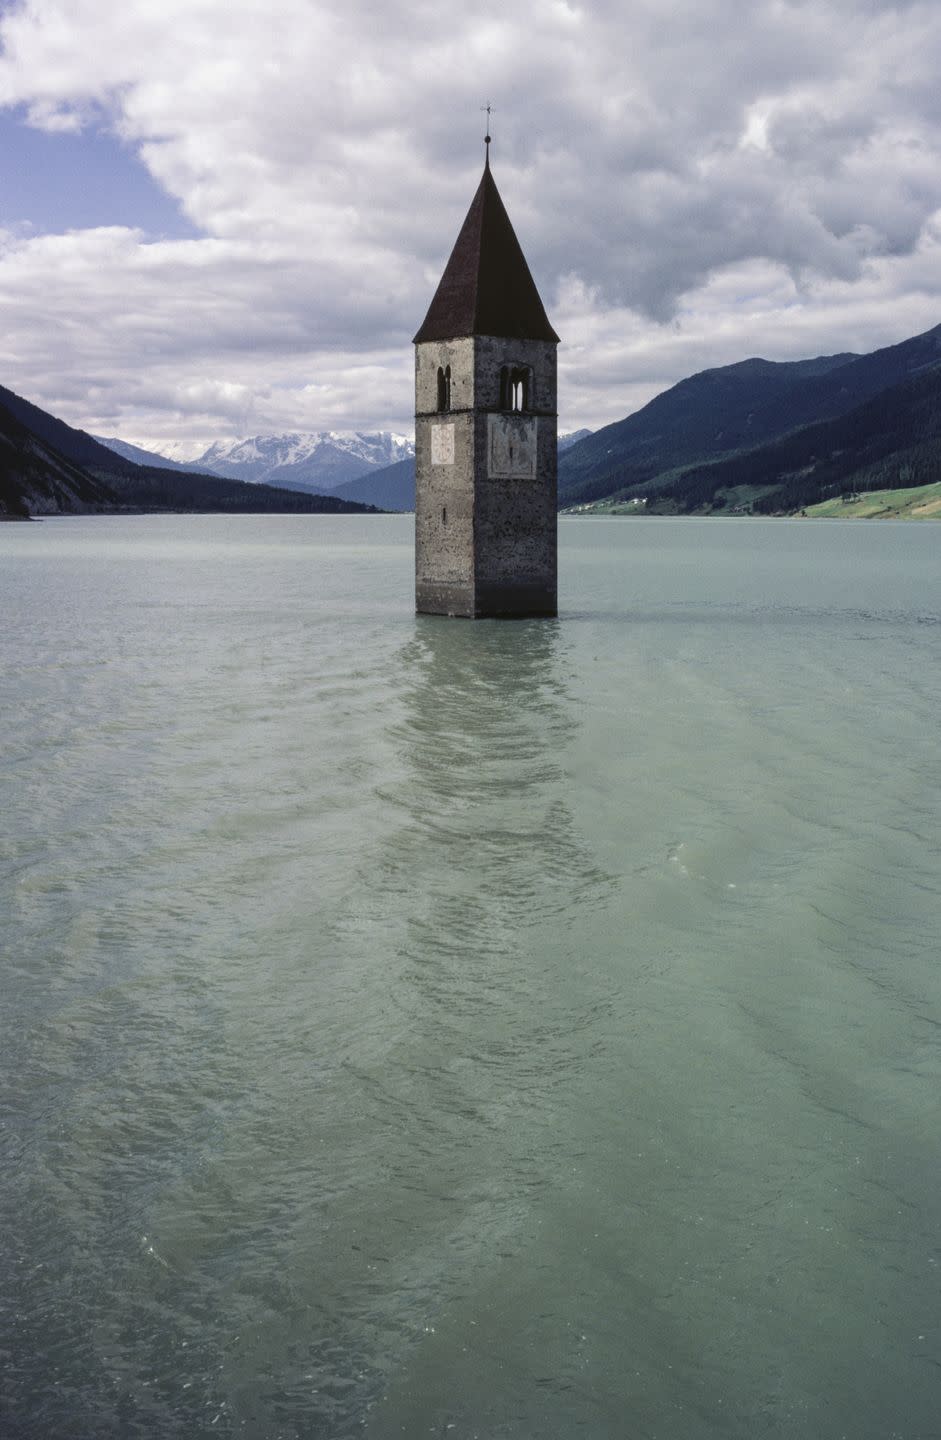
<point>421,1027</point>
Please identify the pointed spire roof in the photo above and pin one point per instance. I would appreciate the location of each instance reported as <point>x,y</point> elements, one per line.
<point>486,288</point>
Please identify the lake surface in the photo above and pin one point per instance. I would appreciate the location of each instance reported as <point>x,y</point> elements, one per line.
<point>421,1027</point>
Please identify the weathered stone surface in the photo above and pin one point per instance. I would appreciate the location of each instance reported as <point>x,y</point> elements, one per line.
<point>485,500</point>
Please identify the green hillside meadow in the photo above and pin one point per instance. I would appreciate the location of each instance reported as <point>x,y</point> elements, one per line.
<point>921,502</point>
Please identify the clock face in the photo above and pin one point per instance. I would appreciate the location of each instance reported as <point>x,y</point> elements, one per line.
<point>442,444</point>
<point>511,447</point>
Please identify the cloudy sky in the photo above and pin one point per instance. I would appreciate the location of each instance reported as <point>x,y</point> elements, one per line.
<point>227,217</point>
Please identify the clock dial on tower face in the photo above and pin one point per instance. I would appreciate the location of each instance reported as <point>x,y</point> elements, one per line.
<point>442,444</point>
<point>511,447</point>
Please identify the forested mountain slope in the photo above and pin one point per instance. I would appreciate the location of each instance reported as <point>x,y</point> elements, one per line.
<point>36,479</point>
<point>47,467</point>
<point>727,412</point>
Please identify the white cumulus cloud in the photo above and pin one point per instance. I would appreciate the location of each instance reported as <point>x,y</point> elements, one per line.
<point>691,184</point>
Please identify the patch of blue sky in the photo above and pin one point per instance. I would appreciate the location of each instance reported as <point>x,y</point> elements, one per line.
<point>52,182</point>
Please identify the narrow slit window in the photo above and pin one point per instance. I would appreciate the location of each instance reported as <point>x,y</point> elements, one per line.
<point>444,387</point>
<point>444,514</point>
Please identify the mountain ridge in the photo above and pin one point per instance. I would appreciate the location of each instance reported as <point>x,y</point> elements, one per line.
<point>761,435</point>
<point>311,460</point>
<point>36,479</point>
<point>320,459</point>
<point>47,467</point>
<point>722,415</point>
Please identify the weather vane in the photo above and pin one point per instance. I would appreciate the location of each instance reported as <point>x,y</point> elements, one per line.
<point>489,108</point>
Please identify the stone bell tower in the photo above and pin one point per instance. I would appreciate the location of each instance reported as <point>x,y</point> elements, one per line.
<point>485,429</point>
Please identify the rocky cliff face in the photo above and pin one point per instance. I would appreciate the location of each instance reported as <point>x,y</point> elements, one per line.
<point>35,479</point>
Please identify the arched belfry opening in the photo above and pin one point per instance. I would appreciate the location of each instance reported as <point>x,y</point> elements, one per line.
<point>515,387</point>
<point>485,429</point>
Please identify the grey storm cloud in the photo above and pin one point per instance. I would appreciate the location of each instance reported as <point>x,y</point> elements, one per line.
<point>691,184</point>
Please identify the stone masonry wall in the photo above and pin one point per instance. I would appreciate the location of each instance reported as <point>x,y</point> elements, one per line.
<point>485,545</point>
<point>444,493</point>
<point>515,530</point>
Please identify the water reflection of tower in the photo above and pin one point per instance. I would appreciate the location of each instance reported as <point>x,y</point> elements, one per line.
<point>488,850</point>
<point>475,1040</point>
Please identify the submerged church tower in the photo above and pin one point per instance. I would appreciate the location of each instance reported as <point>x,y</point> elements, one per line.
<point>485,429</point>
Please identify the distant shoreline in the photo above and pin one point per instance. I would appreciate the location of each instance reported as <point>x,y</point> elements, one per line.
<point>921,502</point>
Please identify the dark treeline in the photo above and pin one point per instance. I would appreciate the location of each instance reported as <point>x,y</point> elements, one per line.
<point>153,488</point>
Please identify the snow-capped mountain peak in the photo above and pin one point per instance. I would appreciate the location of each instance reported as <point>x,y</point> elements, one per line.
<point>308,460</point>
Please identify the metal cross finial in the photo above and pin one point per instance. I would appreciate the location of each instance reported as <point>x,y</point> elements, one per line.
<point>489,110</point>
